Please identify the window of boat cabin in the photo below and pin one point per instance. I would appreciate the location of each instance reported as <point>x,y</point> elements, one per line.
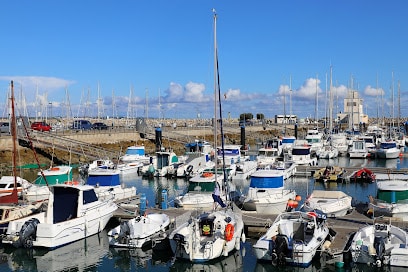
<point>89,196</point>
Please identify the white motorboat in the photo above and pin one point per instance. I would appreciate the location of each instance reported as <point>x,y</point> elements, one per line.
<point>148,231</point>
<point>135,153</point>
<point>266,192</point>
<point>199,194</point>
<point>208,236</point>
<point>314,139</point>
<point>332,203</point>
<point>380,245</point>
<point>300,154</point>
<point>129,168</point>
<point>388,150</point>
<point>73,213</point>
<point>358,149</point>
<point>294,239</point>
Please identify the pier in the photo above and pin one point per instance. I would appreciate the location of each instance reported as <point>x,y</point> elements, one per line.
<point>255,224</point>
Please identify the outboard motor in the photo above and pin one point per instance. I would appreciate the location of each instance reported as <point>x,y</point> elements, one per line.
<point>281,250</point>
<point>379,246</point>
<point>27,233</point>
<point>124,232</point>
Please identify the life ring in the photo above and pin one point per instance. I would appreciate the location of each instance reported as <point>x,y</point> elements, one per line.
<point>229,232</point>
<point>54,169</point>
<point>207,174</point>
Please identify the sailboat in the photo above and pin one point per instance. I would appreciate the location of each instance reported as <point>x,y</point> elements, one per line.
<point>210,235</point>
<point>10,208</point>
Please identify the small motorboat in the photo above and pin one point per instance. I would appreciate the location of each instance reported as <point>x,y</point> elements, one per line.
<point>148,231</point>
<point>332,203</point>
<point>380,245</point>
<point>208,236</point>
<point>294,239</point>
<point>362,175</point>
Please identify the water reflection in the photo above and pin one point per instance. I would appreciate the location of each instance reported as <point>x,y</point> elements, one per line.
<point>78,256</point>
<point>233,262</point>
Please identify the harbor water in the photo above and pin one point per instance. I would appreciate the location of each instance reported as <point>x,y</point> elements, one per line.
<point>94,254</point>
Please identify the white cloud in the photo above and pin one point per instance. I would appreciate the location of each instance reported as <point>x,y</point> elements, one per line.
<point>308,89</point>
<point>194,92</point>
<point>43,83</point>
<point>371,91</point>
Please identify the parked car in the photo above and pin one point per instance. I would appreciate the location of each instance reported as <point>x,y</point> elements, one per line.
<point>40,126</point>
<point>4,127</point>
<point>81,124</point>
<point>99,126</point>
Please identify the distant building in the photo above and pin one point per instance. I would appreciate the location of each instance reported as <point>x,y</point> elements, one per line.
<point>353,111</point>
<point>285,119</point>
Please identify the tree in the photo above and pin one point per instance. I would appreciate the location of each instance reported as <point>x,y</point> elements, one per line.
<point>260,116</point>
<point>246,116</point>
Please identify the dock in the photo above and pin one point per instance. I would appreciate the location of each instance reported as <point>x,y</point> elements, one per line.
<point>255,224</point>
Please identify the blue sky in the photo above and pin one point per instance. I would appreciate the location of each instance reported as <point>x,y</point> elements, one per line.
<point>162,51</point>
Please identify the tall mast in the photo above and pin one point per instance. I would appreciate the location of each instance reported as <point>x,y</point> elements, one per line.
<point>13,197</point>
<point>215,90</point>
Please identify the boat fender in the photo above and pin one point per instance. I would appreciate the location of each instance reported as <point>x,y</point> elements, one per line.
<point>27,233</point>
<point>229,232</point>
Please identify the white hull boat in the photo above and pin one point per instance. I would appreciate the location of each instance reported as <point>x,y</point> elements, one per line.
<point>149,231</point>
<point>332,203</point>
<point>208,236</point>
<point>293,239</point>
<point>73,213</point>
<point>380,245</point>
<point>266,193</point>
<point>199,194</point>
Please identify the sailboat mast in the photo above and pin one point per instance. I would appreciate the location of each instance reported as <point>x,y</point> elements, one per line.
<point>215,91</point>
<point>13,197</point>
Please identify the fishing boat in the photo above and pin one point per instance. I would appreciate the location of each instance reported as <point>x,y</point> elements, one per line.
<point>146,231</point>
<point>10,207</point>
<point>294,239</point>
<point>266,192</point>
<point>330,174</point>
<point>380,245</point>
<point>391,199</point>
<point>332,203</point>
<point>73,213</point>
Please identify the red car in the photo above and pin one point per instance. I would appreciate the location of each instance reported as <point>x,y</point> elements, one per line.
<point>41,126</point>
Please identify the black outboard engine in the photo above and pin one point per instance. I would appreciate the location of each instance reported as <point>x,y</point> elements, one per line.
<point>27,233</point>
<point>379,246</point>
<point>281,250</point>
<point>124,232</point>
